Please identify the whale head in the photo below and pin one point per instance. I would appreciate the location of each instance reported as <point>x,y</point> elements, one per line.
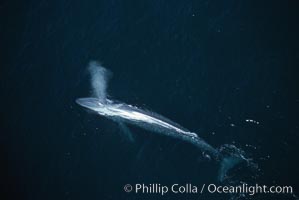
<point>94,104</point>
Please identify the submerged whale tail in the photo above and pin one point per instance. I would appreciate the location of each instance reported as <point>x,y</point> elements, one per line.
<point>230,158</point>
<point>99,80</point>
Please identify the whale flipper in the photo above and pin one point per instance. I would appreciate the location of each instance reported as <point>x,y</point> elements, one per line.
<point>126,131</point>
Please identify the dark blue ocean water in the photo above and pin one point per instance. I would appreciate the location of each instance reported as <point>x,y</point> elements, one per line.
<point>207,65</point>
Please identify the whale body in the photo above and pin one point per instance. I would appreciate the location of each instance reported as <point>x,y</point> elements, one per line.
<point>128,114</point>
<point>228,156</point>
